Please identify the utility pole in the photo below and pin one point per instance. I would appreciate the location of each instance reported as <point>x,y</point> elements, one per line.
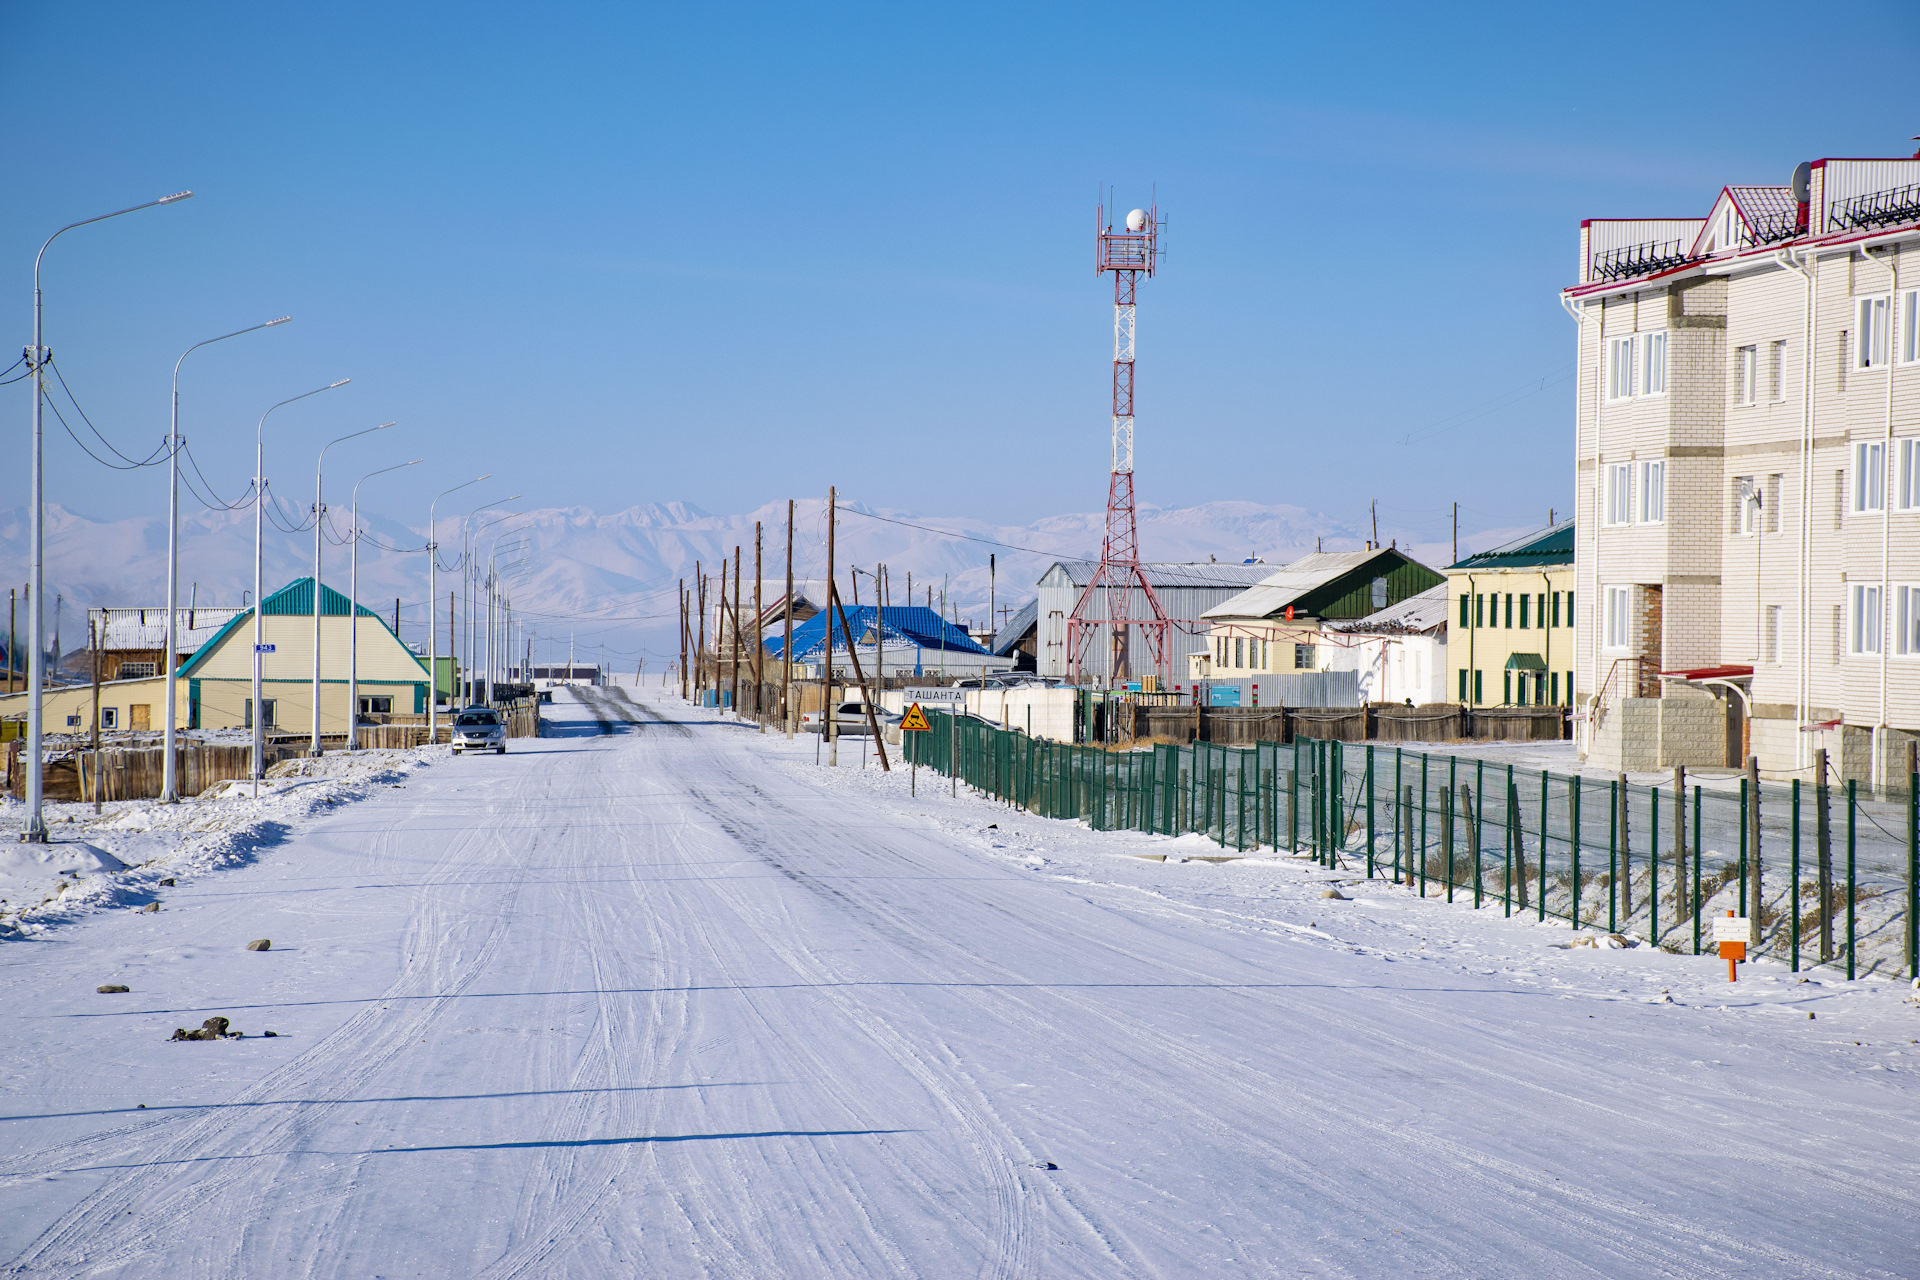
<point>13,651</point>
<point>93,642</point>
<point>1456,533</point>
<point>786,647</point>
<point>1373,509</point>
<point>683,639</point>
<point>993,577</point>
<point>832,706</point>
<point>759,621</point>
<point>736,632</point>
<point>700,640</point>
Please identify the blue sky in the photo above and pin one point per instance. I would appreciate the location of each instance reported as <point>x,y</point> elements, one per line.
<point>729,254</point>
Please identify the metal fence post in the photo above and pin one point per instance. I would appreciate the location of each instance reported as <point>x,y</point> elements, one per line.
<point>1573,829</point>
<point>1913,858</point>
<point>1370,811</point>
<point>1472,814</point>
<point>1851,804</point>
<point>1697,799</point>
<point>1446,831</point>
<point>1653,866</point>
<point>1756,882</point>
<point>1793,864</point>
<point>1613,853</point>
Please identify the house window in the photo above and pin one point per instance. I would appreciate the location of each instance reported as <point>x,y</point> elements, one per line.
<point>1303,657</point>
<point>1239,652</point>
<point>376,706</point>
<point>1479,610</point>
<point>1745,362</point>
<point>1910,326</point>
<point>1553,691</point>
<point>1872,316</point>
<point>1746,505</point>
<point>1863,618</point>
<point>1619,493</point>
<point>1463,684</point>
<point>267,703</point>
<point>1556,610</point>
<point>1220,652</point>
<point>1653,492</point>
<point>1770,517</point>
<point>1506,688</point>
<point>1906,488</point>
<point>1379,596</point>
<point>1525,600</point>
<point>1653,364</point>
<point>1466,610</point>
<point>1906,615</point>
<point>1569,623</point>
<point>1617,604</point>
<point>1476,689</point>
<point>1509,621</point>
<point>1869,476</point>
<point>1770,641</point>
<point>109,717</point>
<point>1620,369</point>
<point>136,670</point>
<point>1777,371</point>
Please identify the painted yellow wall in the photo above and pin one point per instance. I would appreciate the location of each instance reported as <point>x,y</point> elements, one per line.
<point>1487,647</point>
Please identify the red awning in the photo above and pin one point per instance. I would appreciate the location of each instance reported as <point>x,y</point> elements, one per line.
<point>1712,673</point>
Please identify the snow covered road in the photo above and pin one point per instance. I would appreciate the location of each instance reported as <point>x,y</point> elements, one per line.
<point>660,997</point>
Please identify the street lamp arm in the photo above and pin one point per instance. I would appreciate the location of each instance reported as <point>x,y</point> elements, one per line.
<point>178,195</point>
<point>222,338</point>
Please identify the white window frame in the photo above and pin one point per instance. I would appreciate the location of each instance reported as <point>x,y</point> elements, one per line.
<point>1907,327</point>
<point>1906,475</point>
<point>1746,374</point>
<point>1872,321</point>
<point>1771,618</point>
<point>1620,368</point>
<point>1651,492</point>
<point>1653,364</point>
<point>1749,517</point>
<point>1866,612</point>
<point>1777,371</point>
<point>1616,619</point>
<point>1906,621</point>
<point>1619,493</point>
<point>1869,477</point>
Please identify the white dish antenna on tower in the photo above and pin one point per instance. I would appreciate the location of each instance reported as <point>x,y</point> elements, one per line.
<point>1137,220</point>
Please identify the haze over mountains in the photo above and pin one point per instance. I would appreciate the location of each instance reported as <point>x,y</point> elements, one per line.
<point>611,577</point>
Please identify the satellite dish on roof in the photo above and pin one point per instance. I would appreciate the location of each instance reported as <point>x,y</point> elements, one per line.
<point>1802,179</point>
<point>1137,220</point>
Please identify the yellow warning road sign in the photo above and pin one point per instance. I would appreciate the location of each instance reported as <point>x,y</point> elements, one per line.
<point>916,720</point>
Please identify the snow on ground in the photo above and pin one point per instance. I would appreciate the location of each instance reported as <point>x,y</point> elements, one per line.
<point>661,996</point>
<point>117,857</point>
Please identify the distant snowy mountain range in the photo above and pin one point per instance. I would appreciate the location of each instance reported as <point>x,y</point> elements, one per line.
<point>612,577</point>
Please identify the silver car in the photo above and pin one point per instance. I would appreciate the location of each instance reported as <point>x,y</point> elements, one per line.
<point>479,729</point>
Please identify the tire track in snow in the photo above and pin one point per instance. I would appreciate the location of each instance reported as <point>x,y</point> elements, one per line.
<point>443,958</point>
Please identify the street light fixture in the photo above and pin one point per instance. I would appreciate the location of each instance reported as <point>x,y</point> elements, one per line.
<point>259,709</point>
<point>353,608</point>
<point>169,781</point>
<point>433,657</point>
<point>37,356</point>
<point>319,518</point>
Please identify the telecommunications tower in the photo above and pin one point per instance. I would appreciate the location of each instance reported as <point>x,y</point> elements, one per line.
<point>1107,606</point>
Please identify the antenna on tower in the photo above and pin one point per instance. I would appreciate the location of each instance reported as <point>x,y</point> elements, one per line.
<point>1106,606</point>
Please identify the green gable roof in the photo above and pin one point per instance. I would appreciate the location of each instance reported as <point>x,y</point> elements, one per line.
<point>295,600</point>
<point>1542,547</point>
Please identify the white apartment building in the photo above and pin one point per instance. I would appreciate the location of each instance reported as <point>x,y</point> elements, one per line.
<point>1748,473</point>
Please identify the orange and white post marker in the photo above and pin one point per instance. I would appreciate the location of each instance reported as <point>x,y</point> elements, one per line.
<point>1732,932</point>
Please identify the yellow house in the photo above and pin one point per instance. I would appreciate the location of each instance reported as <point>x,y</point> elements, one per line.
<point>1510,609</point>
<point>216,683</point>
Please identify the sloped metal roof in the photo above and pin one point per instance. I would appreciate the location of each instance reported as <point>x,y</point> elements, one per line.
<point>1170,573</point>
<point>1016,628</point>
<point>1417,613</point>
<point>1552,545</point>
<point>913,626</point>
<point>1280,588</point>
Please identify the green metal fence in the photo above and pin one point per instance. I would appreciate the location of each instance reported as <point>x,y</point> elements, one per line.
<point>1831,875</point>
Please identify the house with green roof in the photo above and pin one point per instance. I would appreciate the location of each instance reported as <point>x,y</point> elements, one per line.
<point>1511,614</point>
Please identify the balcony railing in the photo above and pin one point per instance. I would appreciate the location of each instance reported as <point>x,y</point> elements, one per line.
<point>1639,260</point>
<point>1876,209</point>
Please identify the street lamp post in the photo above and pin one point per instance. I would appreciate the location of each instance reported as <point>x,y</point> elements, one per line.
<point>433,657</point>
<point>495,617</point>
<point>469,565</point>
<point>353,607</point>
<point>319,525</point>
<point>258,708</point>
<point>37,357</point>
<point>169,781</point>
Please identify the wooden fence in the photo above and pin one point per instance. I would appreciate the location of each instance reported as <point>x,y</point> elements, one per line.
<point>136,773</point>
<point>1435,722</point>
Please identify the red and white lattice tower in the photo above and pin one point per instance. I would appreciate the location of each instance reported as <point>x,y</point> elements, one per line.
<point>1106,607</point>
